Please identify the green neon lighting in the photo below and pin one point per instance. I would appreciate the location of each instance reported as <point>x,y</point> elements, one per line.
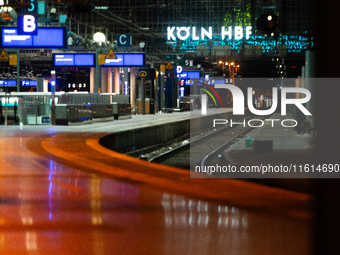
<point>238,17</point>
<point>294,43</point>
<point>209,95</point>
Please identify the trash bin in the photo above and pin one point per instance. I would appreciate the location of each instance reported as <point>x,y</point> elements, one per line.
<point>152,107</point>
<point>250,143</point>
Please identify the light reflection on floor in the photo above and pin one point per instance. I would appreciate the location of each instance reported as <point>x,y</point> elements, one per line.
<point>50,208</point>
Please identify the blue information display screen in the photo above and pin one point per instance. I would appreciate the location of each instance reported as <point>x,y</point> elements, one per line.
<point>47,37</point>
<point>74,60</point>
<point>189,75</point>
<point>29,83</point>
<point>126,60</point>
<point>8,83</point>
<point>189,82</point>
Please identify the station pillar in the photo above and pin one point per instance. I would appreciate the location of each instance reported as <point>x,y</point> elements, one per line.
<point>170,90</point>
<point>106,80</point>
<point>125,81</point>
<point>133,87</point>
<point>40,85</point>
<point>109,80</point>
<point>97,87</point>
<point>116,80</point>
<point>160,92</point>
<point>92,79</point>
<point>141,94</point>
<point>18,70</point>
<point>103,84</point>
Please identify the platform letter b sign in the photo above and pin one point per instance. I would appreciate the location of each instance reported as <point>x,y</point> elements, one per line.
<point>27,25</point>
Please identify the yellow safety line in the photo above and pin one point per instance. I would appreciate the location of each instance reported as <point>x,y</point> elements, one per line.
<point>94,144</point>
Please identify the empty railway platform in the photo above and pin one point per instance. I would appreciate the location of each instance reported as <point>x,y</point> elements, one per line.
<point>63,191</point>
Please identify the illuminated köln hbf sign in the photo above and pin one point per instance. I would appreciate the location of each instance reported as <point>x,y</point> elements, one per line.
<point>183,33</point>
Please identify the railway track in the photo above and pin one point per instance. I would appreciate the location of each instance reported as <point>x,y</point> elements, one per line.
<point>203,150</point>
<point>208,151</point>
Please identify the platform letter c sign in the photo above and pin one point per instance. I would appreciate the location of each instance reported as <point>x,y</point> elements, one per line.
<point>123,40</point>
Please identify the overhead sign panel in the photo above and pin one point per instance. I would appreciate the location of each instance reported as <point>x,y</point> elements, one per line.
<point>46,37</point>
<point>84,59</point>
<point>126,60</point>
<point>29,83</point>
<point>74,60</point>
<point>8,83</point>
<point>189,75</point>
